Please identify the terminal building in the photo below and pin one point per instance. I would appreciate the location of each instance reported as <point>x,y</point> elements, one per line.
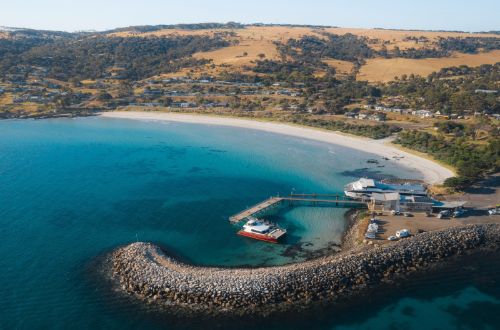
<point>397,197</point>
<point>400,203</point>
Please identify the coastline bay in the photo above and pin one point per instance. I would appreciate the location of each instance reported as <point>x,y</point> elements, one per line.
<point>74,189</point>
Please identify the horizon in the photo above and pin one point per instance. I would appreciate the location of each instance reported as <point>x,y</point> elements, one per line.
<point>21,28</point>
<point>57,15</point>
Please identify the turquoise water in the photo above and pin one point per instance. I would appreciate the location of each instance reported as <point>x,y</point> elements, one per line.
<point>73,189</point>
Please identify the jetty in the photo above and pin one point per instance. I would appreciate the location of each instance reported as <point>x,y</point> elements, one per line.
<point>309,199</point>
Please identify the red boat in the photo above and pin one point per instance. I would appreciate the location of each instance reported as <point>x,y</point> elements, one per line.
<point>262,231</point>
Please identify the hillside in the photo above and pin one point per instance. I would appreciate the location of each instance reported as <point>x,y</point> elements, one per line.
<point>250,41</point>
<point>320,70</point>
<point>389,53</point>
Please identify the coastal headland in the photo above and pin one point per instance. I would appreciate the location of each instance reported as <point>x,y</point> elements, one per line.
<point>431,171</point>
<point>147,272</point>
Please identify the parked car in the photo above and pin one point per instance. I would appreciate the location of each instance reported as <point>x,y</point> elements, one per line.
<point>408,214</point>
<point>394,212</point>
<point>443,214</point>
<point>403,233</point>
<point>493,211</point>
<point>392,238</point>
<point>458,213</point>
<point>372,228</point>
<point>370,235</point>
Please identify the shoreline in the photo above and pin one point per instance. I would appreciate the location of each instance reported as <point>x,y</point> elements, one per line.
<point>431,171</point>
<point>148,274</point>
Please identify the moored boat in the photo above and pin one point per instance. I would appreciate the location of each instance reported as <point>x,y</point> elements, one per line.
<point>364,188</point>
<point>262,231</point>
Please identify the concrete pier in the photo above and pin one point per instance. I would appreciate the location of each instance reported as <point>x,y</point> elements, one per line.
<point>313,199</point>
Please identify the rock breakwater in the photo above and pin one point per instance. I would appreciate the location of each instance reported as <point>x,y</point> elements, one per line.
<point>144,270</point>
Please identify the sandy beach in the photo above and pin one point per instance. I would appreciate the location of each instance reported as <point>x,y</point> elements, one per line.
<point>432,172</point>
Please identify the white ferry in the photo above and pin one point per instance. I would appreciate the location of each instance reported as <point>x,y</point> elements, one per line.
<point>364,188</point>
<point>262,231</point>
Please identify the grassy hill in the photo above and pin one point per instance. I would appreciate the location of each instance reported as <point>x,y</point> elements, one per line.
<point>393,53</point>
<point>250,41</point>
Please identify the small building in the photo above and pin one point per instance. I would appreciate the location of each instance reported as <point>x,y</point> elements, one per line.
<point>486,91</point>
<point>350,114</point>
<point>378,117</point>
<point>401,203</point>
<point>384,202</point>
<point>153,92</point>
<point>416,204</point>
<point>423,113</point>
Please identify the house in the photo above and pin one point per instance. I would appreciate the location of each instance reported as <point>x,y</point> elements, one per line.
<point>284,92</point>
<point>187,105</point>
<point>362,116</point>
<point>153,92</point>
<point>423,113</point>
<point>150,104</point>
<point>350,114</point>
<point>378,117</point>
<point>486,91</point>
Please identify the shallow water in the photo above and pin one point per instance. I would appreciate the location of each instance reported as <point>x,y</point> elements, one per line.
<point>73,189</point>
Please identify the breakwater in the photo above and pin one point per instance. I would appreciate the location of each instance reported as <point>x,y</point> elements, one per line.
<point>144,270</point>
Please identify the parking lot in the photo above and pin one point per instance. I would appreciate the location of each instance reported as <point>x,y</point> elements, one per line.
<point>419,222</point>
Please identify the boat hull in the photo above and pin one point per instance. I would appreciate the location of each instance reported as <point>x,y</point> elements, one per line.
<point>260,237</point>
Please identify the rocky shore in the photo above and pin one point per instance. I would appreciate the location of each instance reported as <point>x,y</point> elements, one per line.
<point>144,270</point>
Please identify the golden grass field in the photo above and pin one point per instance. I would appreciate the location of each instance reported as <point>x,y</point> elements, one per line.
<point>6,99</point>
<point>397,37</point>
<point>256,40</point>
<point>274,33</point>
<point>253,40</point>
<point>384,70</point>
<point>234,55</point>
<point>342,67</point>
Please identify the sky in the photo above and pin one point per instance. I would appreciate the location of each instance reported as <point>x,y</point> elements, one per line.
<point>78,15</point>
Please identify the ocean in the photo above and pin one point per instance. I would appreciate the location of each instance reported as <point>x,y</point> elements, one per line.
<point>72,190</point>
